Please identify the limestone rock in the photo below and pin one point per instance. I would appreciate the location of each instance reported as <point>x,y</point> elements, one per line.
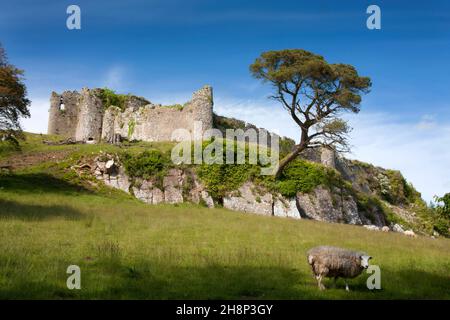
<point>398,228</point>
<point>287,208</point>
<point>247,201</point>
<point>322,205</point>
<point>173,186</point>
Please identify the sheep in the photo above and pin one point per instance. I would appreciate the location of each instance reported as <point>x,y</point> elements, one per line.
<point>410,233</point>
<point>333,262</point>
<point>385,229</point>
<point>371,227</point>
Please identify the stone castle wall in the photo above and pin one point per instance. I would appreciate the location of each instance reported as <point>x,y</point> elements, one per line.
<point>63,113</point>
<point>83,117</point>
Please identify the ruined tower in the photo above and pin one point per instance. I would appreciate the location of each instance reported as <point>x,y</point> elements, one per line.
<point>82,116</point>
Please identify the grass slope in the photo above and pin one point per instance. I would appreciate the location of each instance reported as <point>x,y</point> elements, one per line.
<point>127,249</point>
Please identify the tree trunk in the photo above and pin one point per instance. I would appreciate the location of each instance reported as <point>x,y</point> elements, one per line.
<point>291,156</point>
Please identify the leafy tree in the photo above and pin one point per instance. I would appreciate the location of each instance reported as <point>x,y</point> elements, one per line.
<point>13,101</point>
<point>444,205</point>
<point>315,93</point>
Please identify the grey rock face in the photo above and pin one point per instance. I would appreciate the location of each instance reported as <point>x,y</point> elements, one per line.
<point>322,205</point>
<point>173,186</point>
<point>328,157</point>
<point>398,228</point>
<point>286,208</point>
<point>112,173</point>
<point>248,201</point>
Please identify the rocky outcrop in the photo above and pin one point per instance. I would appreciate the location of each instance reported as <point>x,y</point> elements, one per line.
<point>286,208</point>
<point>330,204</point>
<point>247,199</point>
<point>177,186</point>
<point>112,174</point>
<point>324,205</point>
<point>147,192</point>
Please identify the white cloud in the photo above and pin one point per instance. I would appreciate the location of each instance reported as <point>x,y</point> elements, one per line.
<point>419,150</point>
<point>37,123</point>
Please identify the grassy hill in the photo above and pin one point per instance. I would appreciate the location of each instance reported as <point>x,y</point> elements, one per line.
<point>50,219</point>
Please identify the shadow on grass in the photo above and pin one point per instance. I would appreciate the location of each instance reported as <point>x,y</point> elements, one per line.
<point>170,283</point>
<point>38,183</point>
<point>146,280</point>
<point>16,210</point>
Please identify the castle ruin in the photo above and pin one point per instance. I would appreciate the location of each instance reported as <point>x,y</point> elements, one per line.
<point>83,116</point>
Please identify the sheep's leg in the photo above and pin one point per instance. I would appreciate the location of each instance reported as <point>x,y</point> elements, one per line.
<point>334,283</point>
<point>346,286</point>
<point>319,282</point>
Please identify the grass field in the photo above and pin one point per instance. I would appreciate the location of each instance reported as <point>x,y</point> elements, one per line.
<point>127,249</point>
<point>130,250</point>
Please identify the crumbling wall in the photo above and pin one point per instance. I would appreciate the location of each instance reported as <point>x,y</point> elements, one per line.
<point>157,123</point>
<point>90,117</point>
<point>63,113</point>
<point>84,117</point>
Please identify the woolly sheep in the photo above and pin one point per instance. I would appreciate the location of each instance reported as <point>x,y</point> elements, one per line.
<point>332,262</point>
<point>371,227</point>
<point>385,229</point>
<point>410,233</point>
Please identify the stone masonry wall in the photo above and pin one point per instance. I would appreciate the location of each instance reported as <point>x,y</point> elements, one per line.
<point>84,117</point>
<point>157,123</point>
<point>64,121</point>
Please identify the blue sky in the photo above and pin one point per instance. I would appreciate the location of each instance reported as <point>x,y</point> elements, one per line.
<point>164,50</point>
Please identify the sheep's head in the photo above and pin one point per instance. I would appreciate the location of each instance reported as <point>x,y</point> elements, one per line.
<point>365,261</point>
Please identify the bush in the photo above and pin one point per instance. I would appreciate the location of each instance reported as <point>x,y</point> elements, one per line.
<point>145,164</point>
<point>400,191</point>
<point>222,178</point>
<point>111,98</point>
<point>302,175</point>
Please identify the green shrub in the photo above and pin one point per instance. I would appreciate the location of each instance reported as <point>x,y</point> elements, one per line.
<point>222,178</point>
<point>302,175</point>
<point>111,98</point>
<point>442,225</point>
<point>146,164</point>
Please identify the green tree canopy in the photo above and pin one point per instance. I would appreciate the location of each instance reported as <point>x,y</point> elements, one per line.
<point>13,101</point>
<point>315,93</point>
<point>444,205</point>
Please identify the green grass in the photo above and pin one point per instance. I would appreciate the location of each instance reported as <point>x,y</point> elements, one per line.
<point>127,249</point>
<point>34,144</point>
<point>50,218</point>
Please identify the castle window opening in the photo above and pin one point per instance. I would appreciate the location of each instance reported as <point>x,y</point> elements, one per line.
<point>62,107</point>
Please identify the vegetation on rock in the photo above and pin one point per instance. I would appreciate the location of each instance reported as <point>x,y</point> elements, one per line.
<point>111,98</point>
